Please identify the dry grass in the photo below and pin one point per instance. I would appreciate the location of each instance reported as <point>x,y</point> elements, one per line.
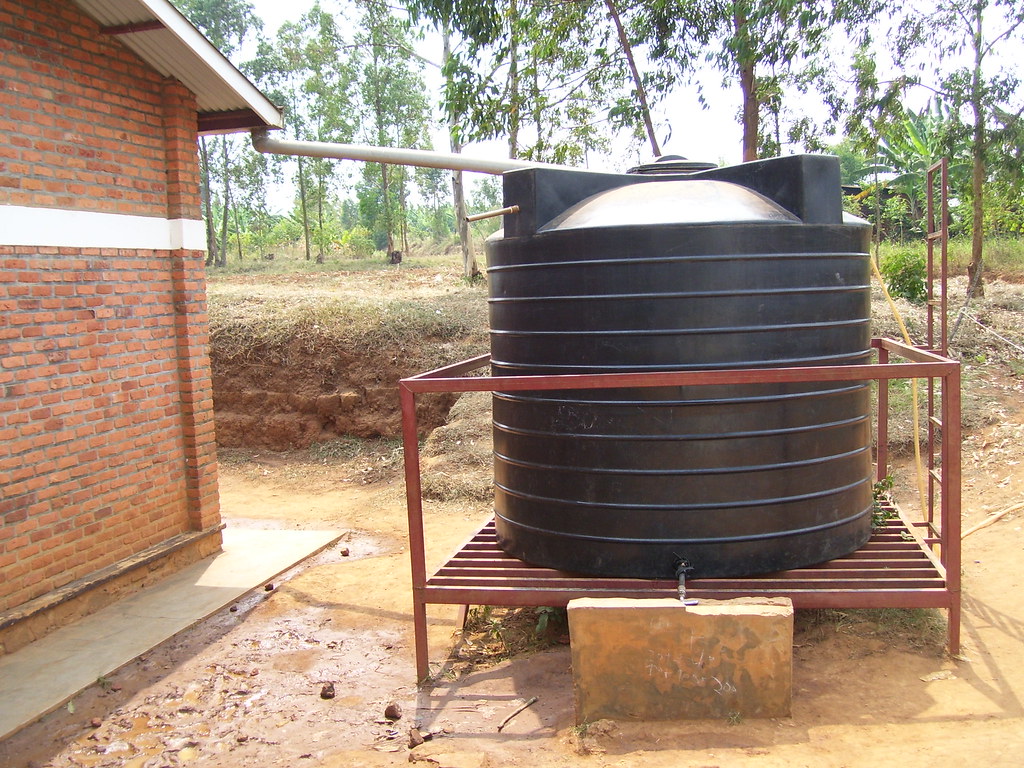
<point>432,316</point>
<point>922,630</point>
<point>989,341</point>
<point>457,456</point>
<point>494,634</point>
<point>369,312</point>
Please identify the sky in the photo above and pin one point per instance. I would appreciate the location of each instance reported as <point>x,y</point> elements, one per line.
<point>711,134</point>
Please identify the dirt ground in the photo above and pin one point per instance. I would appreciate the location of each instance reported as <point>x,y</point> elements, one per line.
<point>247,686</point>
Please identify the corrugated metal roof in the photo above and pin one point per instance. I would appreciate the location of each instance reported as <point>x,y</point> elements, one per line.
<point>157,32</point>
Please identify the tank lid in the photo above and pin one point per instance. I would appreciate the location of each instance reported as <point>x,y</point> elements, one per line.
<point>671,202</point>
<point>672,164</point>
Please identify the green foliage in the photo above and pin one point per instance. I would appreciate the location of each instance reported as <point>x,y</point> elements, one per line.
<point>486,196</point>
<point>286,230</point>
<point>1003,206</point>
<point>876,104</point>
<point>548,617</point>
<point>1003,203</point>
<point>881,509</point>
<point>539,75</point>
<point>226,23</point>
<point>439,221</point>
<point>904,146</point>
<point>357,243</point>
<point>905,273</point>
<point>770,48</point>
<point>552,79</point>
<point>852,162</point>
<point>889,213</point>
<point>394,114</point>
<point>909,147</point>
<point>975,42</point>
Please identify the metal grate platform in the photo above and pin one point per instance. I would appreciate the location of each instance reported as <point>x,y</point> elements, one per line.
<point>894,569</point>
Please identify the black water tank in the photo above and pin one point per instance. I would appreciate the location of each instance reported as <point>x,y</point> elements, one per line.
<point>742,267</point>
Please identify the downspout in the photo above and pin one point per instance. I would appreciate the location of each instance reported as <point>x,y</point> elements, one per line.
<point>262,142</point>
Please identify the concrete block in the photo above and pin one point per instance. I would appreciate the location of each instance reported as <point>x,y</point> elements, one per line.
<point>660,660</point>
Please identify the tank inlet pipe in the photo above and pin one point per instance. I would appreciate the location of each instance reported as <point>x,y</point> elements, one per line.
<point>491,214</point>
<point>262,141</point>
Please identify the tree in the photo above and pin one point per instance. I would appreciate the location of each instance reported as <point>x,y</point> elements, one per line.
<point>309,67</point>
<point>486,196</point>
<point>470,269</point>
<point>478,22</point>
<point>908,148</point>
<point>541,75</point>
<point>979,30</point>
<point>394,113</point>
<point>1004,192</point>
<point>764,46</point>
<point>226,24</point>
<point>642,104</point>
<point>432,182</point>
<point>853,163</point>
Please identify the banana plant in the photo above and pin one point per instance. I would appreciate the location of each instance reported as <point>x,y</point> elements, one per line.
<point>914,144</point>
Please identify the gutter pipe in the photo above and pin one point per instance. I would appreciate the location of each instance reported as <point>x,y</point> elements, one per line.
<point>262,142</point>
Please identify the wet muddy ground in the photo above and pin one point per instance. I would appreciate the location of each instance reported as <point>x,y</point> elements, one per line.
<point>246,687</point>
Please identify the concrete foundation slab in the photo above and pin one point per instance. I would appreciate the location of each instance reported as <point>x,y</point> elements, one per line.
<point>660,660</point>
<point>45,674</point>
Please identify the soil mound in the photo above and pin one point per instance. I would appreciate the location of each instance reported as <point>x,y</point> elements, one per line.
<point>305,359</point>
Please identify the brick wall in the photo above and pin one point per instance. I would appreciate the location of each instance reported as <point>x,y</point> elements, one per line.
<point>106,420</point>
<point>82,117</point>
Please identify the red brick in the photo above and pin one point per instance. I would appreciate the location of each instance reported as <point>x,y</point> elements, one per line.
<point>111,469</point>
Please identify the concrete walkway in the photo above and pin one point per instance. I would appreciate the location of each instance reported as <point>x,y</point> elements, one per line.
<point>40,677</point>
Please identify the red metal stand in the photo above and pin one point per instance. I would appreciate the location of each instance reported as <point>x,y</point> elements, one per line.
<point>906,564</point>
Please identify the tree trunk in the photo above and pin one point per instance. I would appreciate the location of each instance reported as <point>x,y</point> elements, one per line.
<point>469,266</point>
<point>211,234</point>
<point>304,211</point>
<point>514,104</point>
<point>748,86</point>
<point>641,92</point>
<point>389,224</point>
<point>222,257</point>
<point>778,131</point>
<point>382,120</point>
<point>540,147</point>
<point>321,193</point>
<point>975,277</point>
<point>404,218</point>
<point>238,234</point>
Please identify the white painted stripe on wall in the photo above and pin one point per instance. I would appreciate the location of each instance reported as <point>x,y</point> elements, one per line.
<point>58,228</point>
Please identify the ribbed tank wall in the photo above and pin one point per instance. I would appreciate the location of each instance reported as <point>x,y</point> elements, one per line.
<point>735,480</point>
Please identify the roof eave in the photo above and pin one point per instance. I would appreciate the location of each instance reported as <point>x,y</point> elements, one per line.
<point>253,110</point>
<point>230,122</point>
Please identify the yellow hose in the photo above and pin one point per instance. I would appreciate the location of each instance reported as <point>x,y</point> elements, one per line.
<point>921,489</point>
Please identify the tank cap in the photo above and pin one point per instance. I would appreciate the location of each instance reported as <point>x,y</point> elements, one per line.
<point>672,164</point>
